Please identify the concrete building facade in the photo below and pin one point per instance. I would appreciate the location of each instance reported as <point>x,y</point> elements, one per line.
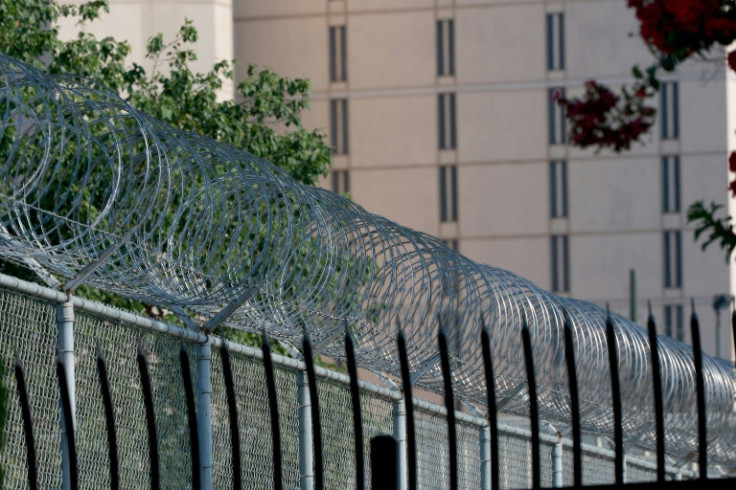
<point>441,117</point>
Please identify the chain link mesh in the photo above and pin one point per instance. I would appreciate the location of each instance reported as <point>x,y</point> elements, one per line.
<point>254,424</point>
<point>637,472</point>
<point>29,325</point>
<point>598,469</point>
<point>119,342</point>
<point>337,430</point>
<point>468,455</point>
<point>515,454</point>
<point>432,449</point>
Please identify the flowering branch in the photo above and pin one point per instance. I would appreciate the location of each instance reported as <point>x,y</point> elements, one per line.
<point>603,119</point>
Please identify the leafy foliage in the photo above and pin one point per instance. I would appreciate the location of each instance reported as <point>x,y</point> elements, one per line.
<point>718,230</point>
<point>264,119</point>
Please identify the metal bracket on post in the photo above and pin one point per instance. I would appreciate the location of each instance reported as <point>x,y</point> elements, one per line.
<point>567,431</point>
<point>422,370</point>
<point>336,333</point>
<point>306,464</point>
<point>636,437</point>
<point>400,436</point>
<point>65,346</point>
<point>512,394</point>
<point>95,264</point>
<point>33,264</point>
<point>386,381</point>
<point>228,310</point>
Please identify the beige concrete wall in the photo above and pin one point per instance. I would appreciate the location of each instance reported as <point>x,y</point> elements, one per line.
<point>391,51</point>
<point>387,192</point>
<point>600,264</point>
<point>703,117</point>
<point>262,42</point>
<point>387,5</point>
<point>614,195</point>
<point>390,132</point>
<point>527,257</point>
<point>508,125</point>
<point>600,41</point>
<point>249,9</point>
<point>500,44</point>
<point>503,199</point>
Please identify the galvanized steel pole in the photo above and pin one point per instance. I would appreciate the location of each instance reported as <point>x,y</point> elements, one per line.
<point>557,464</point>
<point>65,346</point>
<point>400,436</point>
<point>485,457</point>
<point>306,466</point>
<point>204,413</point>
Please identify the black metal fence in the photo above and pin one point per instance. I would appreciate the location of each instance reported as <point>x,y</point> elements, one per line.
<point>388,468</point>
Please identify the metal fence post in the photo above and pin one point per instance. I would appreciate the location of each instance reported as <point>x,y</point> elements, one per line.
<point>557,464</point>
<point>625,465</point>
<point>485,457</point>
<point>204,413</point>
<point>65,346</point>
<point>306,470</point>
<point>400,436</point>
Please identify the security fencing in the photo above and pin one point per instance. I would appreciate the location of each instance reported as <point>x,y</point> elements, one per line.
<point>32,319</point>
<point>95,193</point>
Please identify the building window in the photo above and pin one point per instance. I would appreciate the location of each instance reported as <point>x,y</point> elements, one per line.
<point>451,243</point>
<point>445,47</point>
<point>446,118</point>
<point>339,126</point>
<point>669,110</point>
<point>558,189</point>
<point>560,264</point>
<point>338,68</point>
<point>673,322</point>
<point>340,181</point>
<point>672,259</point>
<point>671,184</point>
<point>556,41</point>
<point>448,193</point>
<point>557,123</point>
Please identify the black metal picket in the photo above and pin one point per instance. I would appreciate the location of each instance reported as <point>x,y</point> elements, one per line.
<point>658,399</point>
<point>31,462</point>
<point>577,460</point>
<point>357,416</point>
<point>273,406</point>
<point>232,410</point>
<point>186,375</point>
<point>145,377</point>
<point>109,419</point>
<point>618,432</point>
<point>384,461</point>
<point>67,413</point>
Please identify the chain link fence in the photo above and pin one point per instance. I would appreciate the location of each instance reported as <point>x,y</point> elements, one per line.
<point>28,327</point>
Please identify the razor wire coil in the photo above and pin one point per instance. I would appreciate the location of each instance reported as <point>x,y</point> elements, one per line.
<point>91,186</point>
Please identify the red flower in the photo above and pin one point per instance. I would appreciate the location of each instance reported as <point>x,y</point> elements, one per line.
<point>732,162</point>
<point>732,187</point>
<point>732,60</point>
